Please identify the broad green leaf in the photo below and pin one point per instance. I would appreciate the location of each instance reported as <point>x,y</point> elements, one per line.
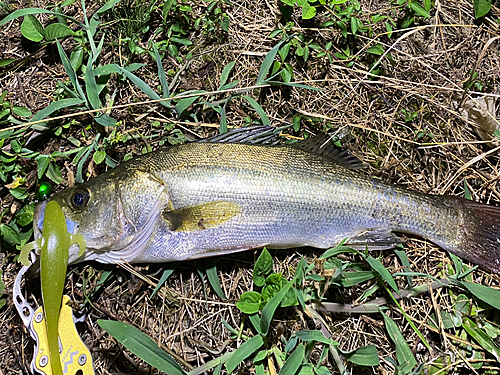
<point>164,276</point>
<point>260,356</point>
<point>57,31</point>
<point>484,293</point>
<point>21,111</point>
<point>260,111</point>
<point>293,362</point>
<point>365,356</point>
<point>211,269</point>
<point>19,192</point>
<point>405,356</point>
<point>9,234</point>
<point>263,268</point>
<point>243,352</point>
<point>99,156</point>
<point>76,58</point>
<point>354,25</point>
<point>42,164</point>
<point>267,63</point>
<point>249,303</point>
<point>481,8</point>
<point>32,29</point>
<point>25,215</point>
<point>376,49</point>
<point>315,335</point>
<point>382,271</point>
<point>225,73</point>
<point>308,11</point>
<point>481,337</point>
<point>56,106</point>
<point>183,41</point>
<point>419,9</point>
<point>105,120</point>
<point>287,73</point>
<point>273,286</point>
<point>142,346</point>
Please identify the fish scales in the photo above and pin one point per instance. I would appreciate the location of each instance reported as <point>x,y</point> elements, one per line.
<point>201,199</point>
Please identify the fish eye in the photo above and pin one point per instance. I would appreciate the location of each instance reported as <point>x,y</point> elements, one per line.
<point>80,198</point>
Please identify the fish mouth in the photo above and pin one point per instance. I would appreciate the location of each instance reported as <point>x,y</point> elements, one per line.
<point>71,227</point>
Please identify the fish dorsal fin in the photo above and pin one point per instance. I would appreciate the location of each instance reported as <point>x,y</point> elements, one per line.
<point>255,135</point>
<point>201,216</point>
<point>322,144</point>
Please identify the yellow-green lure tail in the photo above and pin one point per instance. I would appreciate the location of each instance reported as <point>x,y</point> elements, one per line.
<point>54,245</point>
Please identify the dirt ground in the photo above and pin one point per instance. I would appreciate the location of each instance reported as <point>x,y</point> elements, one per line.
<point>405,123</point>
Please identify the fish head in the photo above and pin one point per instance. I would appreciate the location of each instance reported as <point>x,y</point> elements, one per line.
<point>114,212</point>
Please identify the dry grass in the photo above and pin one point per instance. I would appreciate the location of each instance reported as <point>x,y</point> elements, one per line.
<point>429,67</point>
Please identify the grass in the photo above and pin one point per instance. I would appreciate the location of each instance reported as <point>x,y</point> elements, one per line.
<point>388,92</point>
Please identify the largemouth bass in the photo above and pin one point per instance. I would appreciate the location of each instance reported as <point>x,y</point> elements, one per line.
<point>202,199</point>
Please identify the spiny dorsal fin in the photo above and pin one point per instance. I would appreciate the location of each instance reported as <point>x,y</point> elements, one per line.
<point>321,144</point>
<point>255,135</point>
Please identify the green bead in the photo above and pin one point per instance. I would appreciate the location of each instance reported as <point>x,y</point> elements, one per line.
<point>44,191</point>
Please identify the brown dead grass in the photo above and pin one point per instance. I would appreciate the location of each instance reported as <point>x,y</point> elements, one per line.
<point>426,76</point>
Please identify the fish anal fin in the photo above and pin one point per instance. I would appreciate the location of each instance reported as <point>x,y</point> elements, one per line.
<point>322,145</point>
<point>375,239</point>
<point>201,216</point>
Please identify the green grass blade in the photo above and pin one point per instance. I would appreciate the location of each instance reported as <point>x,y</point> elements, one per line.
<point>260,111</point>
<point>211,364</point>
<point>243,352</point>
<point>56,106</point>
<point>142,346</point>
<point>267,63</point>
<point>403,258</point>
<point>70,72</point>
<point>271,306</point>
<point>255,320</point>
<point>378,267</point>
<point>143,86</point>
<point>315,335</point>
<point>91,86</point>
<point>211,268</point>
<point>364,356</point>
<point>184,103</point>
<point>223,120</point>
<point>404,354</point>
<point>484,293</point>
<point>110,4</point>
<point>293,362</point>
<point>292,84</point>
<point>165,275</point>
<point>161,73</point>
<point>352,278</point>
<point>481,337</point>
<point>225,74</point>
<point>25,12</point>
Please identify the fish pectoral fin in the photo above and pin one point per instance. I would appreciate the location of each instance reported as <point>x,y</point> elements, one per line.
<point>201,216</point>
<point>374,239</point>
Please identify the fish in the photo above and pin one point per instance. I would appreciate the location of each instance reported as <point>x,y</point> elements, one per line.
<point>240,191</point>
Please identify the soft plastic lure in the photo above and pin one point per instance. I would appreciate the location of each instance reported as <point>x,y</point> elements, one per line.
<point>54,245</point>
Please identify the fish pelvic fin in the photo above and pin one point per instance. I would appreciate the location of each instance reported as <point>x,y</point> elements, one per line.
<point>374,239</point>
<point>201,216</point>
<point>481,241</point>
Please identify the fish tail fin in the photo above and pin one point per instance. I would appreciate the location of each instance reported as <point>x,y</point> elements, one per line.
<point>481,240</point>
